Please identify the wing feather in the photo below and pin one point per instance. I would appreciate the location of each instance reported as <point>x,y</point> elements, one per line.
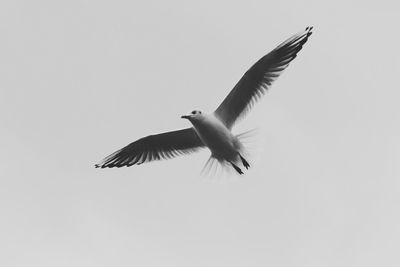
<point>257,80</point>
<point>154,147</point>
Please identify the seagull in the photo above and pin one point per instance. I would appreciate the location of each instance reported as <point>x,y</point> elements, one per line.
<point>214,130</point>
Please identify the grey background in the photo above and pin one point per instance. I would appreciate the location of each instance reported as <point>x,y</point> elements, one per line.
<point>80,79</point>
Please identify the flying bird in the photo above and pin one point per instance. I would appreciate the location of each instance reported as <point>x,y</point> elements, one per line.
<point>214,130</point>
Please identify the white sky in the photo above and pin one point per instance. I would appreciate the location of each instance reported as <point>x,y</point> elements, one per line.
<point>80,79</point>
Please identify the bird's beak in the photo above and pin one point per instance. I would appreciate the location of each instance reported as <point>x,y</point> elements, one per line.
<point>185,117</point>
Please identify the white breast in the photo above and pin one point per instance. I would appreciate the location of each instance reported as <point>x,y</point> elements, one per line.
<point>219,139</point>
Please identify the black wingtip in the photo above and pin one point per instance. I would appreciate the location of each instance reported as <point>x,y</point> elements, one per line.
<point>101,166</point>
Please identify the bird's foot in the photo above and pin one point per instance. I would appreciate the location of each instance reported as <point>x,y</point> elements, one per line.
<point>236,168</point>
<point>245,163</point>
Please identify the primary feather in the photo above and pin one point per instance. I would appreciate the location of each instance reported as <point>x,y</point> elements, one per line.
<point>154,147</point>
<point>257,80</point>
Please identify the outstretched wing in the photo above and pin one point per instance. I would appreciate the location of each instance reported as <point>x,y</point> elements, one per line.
<point>154,147</point>
<point>256,81</point>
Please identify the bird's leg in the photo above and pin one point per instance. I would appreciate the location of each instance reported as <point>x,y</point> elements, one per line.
<point>245,163</point>
<point>236,168</point>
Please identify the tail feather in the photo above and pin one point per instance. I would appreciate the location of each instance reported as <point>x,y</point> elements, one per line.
<point>247,135</point>
<point>211,166</point>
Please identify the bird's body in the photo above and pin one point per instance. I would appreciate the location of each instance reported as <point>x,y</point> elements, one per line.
<point>217,137</point>
<point>214,130</point>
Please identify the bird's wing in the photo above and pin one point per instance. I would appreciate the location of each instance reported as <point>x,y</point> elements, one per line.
<point>154,147</point>
<point>256,81</point>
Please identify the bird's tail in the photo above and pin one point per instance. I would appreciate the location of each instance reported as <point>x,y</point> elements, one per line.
<point>248,141</point>
<point>246,136</point>
<point>211,167</point>
<point>214,167</point>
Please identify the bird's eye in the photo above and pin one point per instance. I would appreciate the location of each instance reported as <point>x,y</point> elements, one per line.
<point>194,112</point>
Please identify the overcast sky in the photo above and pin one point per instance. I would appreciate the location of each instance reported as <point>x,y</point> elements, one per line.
<point>80,79</point>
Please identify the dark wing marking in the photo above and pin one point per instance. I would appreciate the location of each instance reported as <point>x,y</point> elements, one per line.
<point>154,147</point>
<point>259,78</point>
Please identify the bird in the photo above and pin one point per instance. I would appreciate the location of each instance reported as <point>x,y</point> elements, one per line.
<point>214,130</point>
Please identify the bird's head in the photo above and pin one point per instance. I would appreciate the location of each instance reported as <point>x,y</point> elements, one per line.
<point>195,114</point>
